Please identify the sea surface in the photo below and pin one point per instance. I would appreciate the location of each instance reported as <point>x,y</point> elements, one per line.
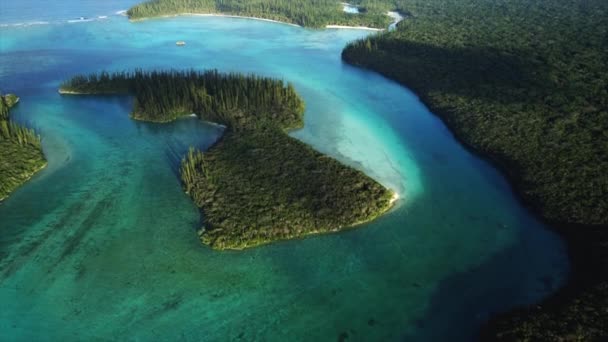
<point>102,244</point>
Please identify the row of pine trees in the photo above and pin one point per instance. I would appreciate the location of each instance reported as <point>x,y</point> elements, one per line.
<point>309,13</point>
<point>10,131</point>
<point>231,99</point>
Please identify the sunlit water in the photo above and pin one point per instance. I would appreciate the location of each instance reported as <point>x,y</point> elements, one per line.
<point>102,244</point>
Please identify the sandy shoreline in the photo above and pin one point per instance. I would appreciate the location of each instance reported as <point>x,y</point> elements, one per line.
<point>394,199</point>
<point>255,18</point>
<point>68,92</point>
<point>216,15</point>
<point>353,27</point>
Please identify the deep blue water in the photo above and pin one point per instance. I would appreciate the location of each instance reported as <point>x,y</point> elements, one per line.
<point>102,244</point>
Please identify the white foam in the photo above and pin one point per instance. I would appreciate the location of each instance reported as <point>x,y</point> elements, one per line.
<point>31,23</point>
<point>121,12</point>
<point>59,21</point>
<point>80,20</point>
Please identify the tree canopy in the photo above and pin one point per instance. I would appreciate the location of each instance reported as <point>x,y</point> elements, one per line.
<point>257,184</point>
<point>20,150</point>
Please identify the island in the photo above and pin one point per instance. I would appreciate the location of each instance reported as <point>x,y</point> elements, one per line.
<point>309,13</point>
<point>20,150</point>
<point>256,184</point>
<point>524,84</point>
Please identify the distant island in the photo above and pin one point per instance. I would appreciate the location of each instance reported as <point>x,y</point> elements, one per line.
<point>20,150</point>
<point>256,184</point>
<point>309,13</point>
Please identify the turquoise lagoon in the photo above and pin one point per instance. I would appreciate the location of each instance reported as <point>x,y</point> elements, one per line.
<point>102,244</point>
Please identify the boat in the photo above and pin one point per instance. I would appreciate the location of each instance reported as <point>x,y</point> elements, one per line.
<point>180,43</point>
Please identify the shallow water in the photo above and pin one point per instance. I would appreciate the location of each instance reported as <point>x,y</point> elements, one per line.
<point>102,244</point>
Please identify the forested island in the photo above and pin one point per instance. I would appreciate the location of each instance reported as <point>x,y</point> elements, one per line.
<point>256,184</point>
<point>20,150</point>
<point>524,83</point>
<point>308,13</point>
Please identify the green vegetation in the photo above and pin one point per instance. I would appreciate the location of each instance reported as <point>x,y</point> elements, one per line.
<point>233,100</point>
<point>309,13</point>
<point>525,83</point>
<point>577,313</point>
<point>257,184</point>
<point>20,151</point>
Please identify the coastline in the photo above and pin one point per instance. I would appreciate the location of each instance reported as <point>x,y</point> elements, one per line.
<point>352,27</point>
<point>583,242</point>
<point>72,92</point>
<point>28,177</point>
<point>69,92</point>
<point>31,166</point>
<point>295,222</point>
<point>392,204</point>
<point>223,15</point>
<point>397,18</point>
<point>586,266</point>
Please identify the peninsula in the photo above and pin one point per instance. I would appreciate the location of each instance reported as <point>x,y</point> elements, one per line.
<point>20,150</point>
<point>524,84</point>
<point>256,184</point>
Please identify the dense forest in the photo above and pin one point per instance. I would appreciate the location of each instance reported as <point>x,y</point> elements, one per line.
<point>234,100</point>
<point>257,184</point>
<point>20,150</point>
<point>526,84</point>
<point>309,13</point>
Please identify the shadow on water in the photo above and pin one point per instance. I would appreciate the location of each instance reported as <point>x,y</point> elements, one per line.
<point>479,72</point>
<point>174,153</point>
<point>176,149</point>
<point>463,302</point>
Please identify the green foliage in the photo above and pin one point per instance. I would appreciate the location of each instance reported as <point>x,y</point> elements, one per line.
<point>256,184</point>
<point>18,134</point>
<point>581,319</point>
<point>18,163</point>
<point>526,83</point>
<point>309,13</point>
<point>577,313</point>
<point>234,99</point>
<point>20,151</point>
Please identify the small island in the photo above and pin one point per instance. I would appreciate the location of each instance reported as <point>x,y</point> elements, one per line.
<point>316,14</point>
<point>20,150</point>
<point>256,184</point>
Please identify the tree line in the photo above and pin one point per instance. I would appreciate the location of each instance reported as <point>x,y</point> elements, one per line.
<point>11,131</point>
<point>526,83</point>
<point>256,184</point>
<point>20,150</point>
<point>309,13</point>
<point>231,99</point>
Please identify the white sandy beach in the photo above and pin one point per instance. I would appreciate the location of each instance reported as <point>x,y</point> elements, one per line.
<point>396,19</point>
<point>353,27</point>
<point>396,16</point>
<point>394,199</point>
<point>218,15</point>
